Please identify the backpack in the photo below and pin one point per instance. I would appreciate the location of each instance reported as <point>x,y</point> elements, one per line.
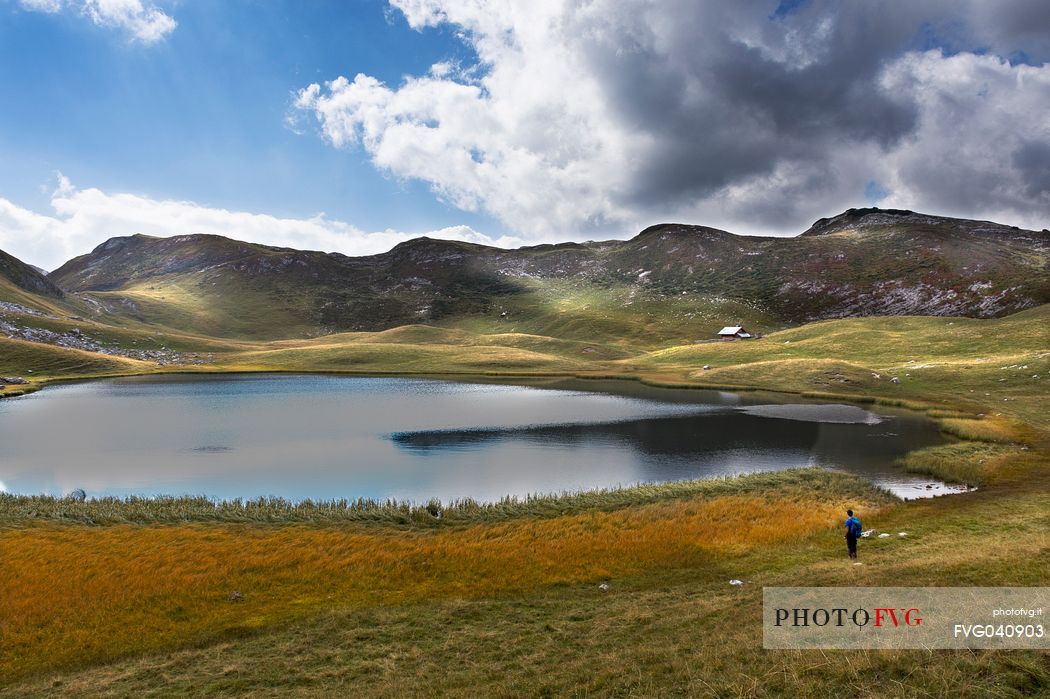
<point>855,527</point>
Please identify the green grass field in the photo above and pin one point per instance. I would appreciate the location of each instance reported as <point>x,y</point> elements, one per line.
<point>132,599</point>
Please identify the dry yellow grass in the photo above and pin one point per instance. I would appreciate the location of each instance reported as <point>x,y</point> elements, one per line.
<point>71,595</point>
<point>672,629</point>
<point>985,430</point>
<point>972,463</point>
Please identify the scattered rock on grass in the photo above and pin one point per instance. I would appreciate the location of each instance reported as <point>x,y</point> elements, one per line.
<point>604,587</point>
<point>736,582</point>
<point>235,597</point>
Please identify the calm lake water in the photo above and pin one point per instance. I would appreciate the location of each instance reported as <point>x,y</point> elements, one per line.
<point>323,437</point>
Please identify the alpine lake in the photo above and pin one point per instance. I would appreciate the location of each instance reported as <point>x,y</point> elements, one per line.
<point>324,437</point>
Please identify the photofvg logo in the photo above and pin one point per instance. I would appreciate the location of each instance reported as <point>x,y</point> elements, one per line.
<point>841,616</point>
<point>905,617</point>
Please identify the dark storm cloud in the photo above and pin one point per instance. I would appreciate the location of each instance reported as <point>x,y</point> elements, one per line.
<point>730,93</point>
<point>754,115</point>
<point>1033,161</point>
<point>1012,28</point>
<point>734,93</point>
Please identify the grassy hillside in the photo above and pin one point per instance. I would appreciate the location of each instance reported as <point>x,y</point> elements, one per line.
<point>18,274</point>
<point>224,308</point>
<point>625,315</point>
<point>36,362</point>
<point>996,365</point>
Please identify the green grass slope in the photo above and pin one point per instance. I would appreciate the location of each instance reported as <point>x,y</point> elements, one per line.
<point>39,362</point>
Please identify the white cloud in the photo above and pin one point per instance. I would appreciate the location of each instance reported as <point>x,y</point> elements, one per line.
<point>83,218</point>
<point>526,142</point>
<point>143,23</point>
<point>48,6</point>
<point>608,115</point>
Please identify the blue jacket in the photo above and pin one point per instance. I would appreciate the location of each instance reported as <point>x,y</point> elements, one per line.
<point>853,526</point>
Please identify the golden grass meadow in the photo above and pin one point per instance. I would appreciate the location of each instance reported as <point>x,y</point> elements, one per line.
<point>143,588</point>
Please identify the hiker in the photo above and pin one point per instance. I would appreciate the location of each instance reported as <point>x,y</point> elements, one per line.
<point>853,530</point>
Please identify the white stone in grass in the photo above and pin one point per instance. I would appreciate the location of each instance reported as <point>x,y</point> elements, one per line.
<point>736,583</point>
<point>604,587</point>
<point>883,535</point>
<point>902,533</point>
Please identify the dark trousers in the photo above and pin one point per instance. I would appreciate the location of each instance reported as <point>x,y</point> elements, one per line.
<point>851,544</point>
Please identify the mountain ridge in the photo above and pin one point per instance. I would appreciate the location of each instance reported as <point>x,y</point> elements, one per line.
<point>860,262</point>
<point>873,217</point>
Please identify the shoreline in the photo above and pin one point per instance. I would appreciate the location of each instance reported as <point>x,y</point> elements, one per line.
<point>643,379</point>
<point>160,510</point>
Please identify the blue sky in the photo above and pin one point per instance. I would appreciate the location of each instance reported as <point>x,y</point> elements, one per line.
<point>351,126</point>
<point>201,114</point>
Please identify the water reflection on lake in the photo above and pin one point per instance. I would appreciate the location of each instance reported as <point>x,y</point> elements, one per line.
<point>317,436</point>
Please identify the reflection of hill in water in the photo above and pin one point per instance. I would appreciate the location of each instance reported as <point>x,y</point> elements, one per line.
<point>709,442</point>
<point>665,436</point>
<point>873,449</point>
